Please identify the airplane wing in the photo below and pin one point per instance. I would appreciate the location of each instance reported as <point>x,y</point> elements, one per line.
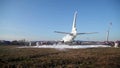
<point>62,32</point>
<point>87,33</point>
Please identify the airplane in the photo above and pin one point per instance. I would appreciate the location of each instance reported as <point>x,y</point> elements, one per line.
<point>72,35</point>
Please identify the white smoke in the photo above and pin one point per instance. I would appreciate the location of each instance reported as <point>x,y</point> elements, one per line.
<point>62,47</point>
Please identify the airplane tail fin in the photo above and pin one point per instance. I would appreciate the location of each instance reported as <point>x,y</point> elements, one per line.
<point>74,22</point>
<point>73,26</point>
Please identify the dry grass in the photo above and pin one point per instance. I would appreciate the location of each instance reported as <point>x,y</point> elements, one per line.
<point>10,56</point>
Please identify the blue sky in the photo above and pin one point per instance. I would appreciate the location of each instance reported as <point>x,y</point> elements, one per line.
<point>38,19</point>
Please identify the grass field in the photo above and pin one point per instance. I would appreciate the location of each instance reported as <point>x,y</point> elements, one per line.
<point>13,57</point>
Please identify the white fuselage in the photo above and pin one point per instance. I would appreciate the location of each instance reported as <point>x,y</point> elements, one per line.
<point>70,37</point>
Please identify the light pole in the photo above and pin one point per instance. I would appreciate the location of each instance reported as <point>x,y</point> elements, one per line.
<point>108,32</point>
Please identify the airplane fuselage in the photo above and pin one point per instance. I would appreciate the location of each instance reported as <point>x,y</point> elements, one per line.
<point>69,38</point>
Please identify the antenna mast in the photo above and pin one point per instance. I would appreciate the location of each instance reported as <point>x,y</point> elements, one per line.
<point>108,31</point>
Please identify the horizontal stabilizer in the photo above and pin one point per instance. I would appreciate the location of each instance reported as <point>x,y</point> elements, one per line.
<point>62,32</point>
<point>87,33</point>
